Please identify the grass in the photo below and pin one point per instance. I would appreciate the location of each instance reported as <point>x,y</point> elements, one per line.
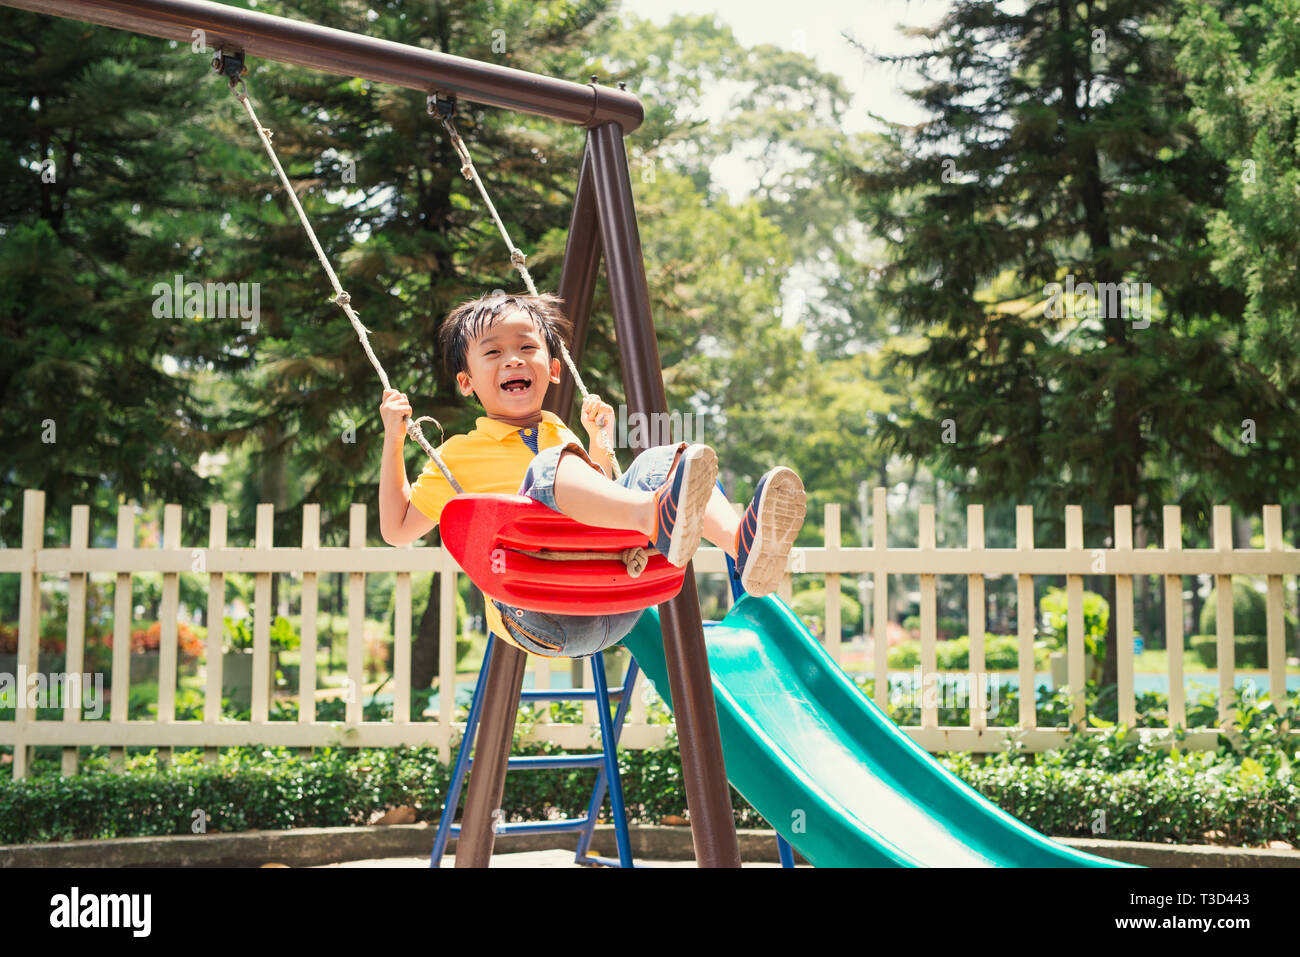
<point>1156,660</point>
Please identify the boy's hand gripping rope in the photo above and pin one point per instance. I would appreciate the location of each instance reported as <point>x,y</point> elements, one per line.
<point>232,66</point>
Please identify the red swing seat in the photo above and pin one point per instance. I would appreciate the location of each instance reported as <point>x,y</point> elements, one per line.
<point>486,535</point>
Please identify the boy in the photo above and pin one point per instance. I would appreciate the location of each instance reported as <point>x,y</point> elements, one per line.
<point>505,350</point>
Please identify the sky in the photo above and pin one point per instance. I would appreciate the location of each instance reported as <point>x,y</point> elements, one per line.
<point>818,30</point>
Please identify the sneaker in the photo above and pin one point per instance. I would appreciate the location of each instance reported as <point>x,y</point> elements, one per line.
<point>768,529</point>
<point>680,504</point>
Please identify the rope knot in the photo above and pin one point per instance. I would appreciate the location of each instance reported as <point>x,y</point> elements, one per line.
<point>517,257</point>
<point>467,171</point>
<point>343,299</point>
<point>636,560</point>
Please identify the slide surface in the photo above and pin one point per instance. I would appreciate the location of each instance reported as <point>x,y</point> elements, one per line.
<point>829,770</point>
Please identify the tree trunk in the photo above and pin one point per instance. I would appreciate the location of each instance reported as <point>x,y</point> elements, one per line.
<point>1141,599</point>
<point>272,485</point>
<point>1158,606</point>
<point>425,657</point>
<point>1295,540</point>
<point>1196,604</point>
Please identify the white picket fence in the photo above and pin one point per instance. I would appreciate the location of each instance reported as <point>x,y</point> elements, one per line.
<point>33,560</point>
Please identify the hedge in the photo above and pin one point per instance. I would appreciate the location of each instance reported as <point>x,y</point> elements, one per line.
<point>1170,799</point>
<point>1249,611</point>
<point>1248,787</point>
<point>1001,653</point>
<point>1249,651</point>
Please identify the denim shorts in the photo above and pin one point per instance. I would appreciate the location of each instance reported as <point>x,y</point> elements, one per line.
<point>579,636</point>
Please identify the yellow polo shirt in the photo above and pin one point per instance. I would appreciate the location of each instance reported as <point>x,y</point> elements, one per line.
<point>490,459</point>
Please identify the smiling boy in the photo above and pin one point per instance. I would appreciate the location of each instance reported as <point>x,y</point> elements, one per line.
<point>505,350</point>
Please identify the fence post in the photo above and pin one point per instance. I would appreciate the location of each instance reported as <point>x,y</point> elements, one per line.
<point>1026,617</point>
<point>978,697</point>
<point>168,637</point>
<point>1174,620</point>
<point>929,598</point>
<point>260,705</point>
<point>216,646</point>
<point>356,619</point>
<point>1074,617</point>
<point>119,709</point>
<point>310,601</point>
<point>447,625</point>
<point>1276,612</point>
<point>1224,626</point>
<point>75,651</point>
<point>402,648</point>
<point>29,623</point>
<point>880,616</point>
<point>831,543</point>
<point>1124,619</point>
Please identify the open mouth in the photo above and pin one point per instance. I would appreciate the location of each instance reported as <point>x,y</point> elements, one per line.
<point>520,384</point>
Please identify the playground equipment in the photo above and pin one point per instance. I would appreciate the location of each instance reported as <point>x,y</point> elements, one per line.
<point>827,768</point>
<point>607,761</point>
<point>835,777</point>
<point>603,221</point>
<point>808,750</point>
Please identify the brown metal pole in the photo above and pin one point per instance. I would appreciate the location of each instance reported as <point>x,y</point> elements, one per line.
<point>707,796</point>
<point>352,54</point>
<point>487,776</point>
<point>487,780</point>
<point>578,279</point>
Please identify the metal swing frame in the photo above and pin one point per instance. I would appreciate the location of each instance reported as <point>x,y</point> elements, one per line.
<point>603,220</point>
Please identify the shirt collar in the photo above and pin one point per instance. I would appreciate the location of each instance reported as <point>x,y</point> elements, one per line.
<point>503,430</point>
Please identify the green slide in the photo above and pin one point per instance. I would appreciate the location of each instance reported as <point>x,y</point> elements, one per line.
<point>826,767</point>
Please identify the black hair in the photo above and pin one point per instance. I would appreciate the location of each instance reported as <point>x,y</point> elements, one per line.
<point>473,318</point>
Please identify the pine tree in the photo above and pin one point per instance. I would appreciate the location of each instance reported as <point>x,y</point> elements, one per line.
<point>97,202</point>
<point>1059,150</point>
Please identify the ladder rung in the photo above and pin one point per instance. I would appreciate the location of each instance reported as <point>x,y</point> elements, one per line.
<point>537,761</point>
<point>567,824</point>
<point>578,694</point>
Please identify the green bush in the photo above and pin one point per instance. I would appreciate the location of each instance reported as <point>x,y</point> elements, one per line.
<point>945,628</point>
<point>1001,653</point>
<point>1249,651</point>
<point>1173,802</point>
<point>1249,612</point>
<point>950,628</point>
<point>239,634</point>
<point>905,654</point>
<point>1053,611</point>
<point>1248,787</point>
<point>811,603</point>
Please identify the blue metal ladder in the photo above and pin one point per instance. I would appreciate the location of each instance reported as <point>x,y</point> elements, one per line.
<point>606,761</point>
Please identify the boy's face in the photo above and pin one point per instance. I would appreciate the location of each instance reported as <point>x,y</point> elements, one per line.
<point>512,348</point>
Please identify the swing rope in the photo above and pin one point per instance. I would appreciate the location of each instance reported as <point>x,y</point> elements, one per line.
<point>445,108</point>
<point>340,297</point>
<point>635,559</point>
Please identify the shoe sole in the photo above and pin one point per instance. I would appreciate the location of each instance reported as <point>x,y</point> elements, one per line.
<point>701,472</point>
<point>781,511</point>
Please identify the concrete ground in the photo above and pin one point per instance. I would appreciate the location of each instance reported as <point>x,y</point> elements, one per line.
<point>552,858</point>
